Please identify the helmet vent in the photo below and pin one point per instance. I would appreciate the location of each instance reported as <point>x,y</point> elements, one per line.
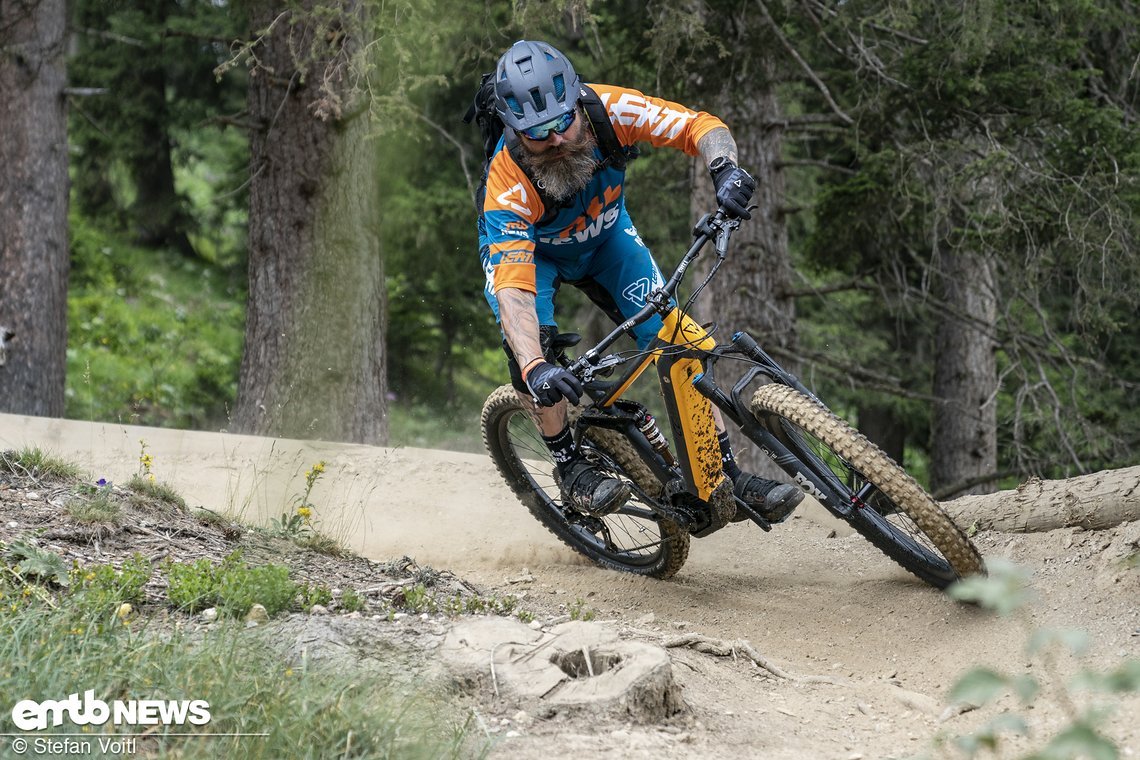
<point>559,87</point>
<point>536,98</point>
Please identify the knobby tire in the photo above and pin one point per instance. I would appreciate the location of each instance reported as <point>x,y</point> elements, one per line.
<point>922,539</point>
<point>514,445</point>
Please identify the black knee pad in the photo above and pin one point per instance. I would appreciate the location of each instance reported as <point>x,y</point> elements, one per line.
<point>546,335</point>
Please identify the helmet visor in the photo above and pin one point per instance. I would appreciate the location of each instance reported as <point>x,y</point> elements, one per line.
<point>556,126</point>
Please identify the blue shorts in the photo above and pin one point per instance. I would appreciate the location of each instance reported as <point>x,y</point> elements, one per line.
<point>621,264</point>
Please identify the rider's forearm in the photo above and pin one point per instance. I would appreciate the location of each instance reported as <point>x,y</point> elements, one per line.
<point>519,320</point>
<point>717,143</point>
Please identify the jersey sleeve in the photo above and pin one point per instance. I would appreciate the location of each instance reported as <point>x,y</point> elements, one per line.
<point>641,118</point>
<point>511,207</point>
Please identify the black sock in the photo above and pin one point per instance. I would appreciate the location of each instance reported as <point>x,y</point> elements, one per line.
<point>731,468</point>
<point>561,448</point>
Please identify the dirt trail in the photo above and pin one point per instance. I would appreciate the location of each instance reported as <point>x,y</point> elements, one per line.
<point>808,595</point>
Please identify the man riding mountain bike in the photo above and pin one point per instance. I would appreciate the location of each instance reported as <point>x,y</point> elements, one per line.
<point>553,211</point>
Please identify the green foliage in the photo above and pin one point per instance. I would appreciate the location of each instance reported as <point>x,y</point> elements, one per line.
<point>232,586</point>
<point>309,594</point>
<point>156,490</point>
<point>579,611</point>
<point>101,589</point>
<point>94,505</point>
<point>48,654</point>
<point>154,338</point>
<point>37,463</point>
<point>32,562</point>
<point>193,587</point>
<point>268,585</point>
<point>351,601</point>
<point>418,599</point>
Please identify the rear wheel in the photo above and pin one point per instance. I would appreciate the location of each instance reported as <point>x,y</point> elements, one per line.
<point>634,539</point>
<point>892,510</point>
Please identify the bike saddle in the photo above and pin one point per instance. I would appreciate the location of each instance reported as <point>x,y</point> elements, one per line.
<point>563,341</point>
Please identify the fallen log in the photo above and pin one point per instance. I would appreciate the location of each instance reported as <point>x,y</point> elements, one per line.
<point>1094,502</point>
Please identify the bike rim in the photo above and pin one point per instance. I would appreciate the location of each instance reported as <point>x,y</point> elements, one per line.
<point>630,537</point>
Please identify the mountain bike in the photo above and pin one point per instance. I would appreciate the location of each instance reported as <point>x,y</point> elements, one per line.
<point>680,492</point>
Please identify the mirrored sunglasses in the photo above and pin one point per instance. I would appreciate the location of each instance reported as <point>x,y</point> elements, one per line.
<point>557,126</point>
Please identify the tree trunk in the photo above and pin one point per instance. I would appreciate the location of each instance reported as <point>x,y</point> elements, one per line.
<point>964,430</point>
<point>1093,502</point>
<point>33,208</point>
<point>749,291</point>
<point>313,364</point>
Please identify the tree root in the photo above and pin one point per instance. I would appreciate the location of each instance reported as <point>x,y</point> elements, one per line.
<point>722,648</point>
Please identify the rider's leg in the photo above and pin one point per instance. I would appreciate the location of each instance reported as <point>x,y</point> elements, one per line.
<point>582,484</point>
<point>774,501</point>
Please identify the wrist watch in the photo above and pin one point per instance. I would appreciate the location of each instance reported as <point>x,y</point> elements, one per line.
<point>719,164</point>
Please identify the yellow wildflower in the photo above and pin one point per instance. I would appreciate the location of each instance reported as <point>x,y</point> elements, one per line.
<point>305,512</point>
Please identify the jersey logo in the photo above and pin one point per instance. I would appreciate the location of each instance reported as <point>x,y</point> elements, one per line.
<point>634,110</point>
<point>508,199</point>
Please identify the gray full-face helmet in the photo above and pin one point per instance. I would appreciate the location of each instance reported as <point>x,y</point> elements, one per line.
<point>534,83</point>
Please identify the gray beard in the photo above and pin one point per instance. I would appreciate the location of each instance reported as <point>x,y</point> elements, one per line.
<point>561,172</point>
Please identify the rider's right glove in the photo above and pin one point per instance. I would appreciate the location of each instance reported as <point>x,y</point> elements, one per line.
<point>550,384</point>
<point>734,187</point>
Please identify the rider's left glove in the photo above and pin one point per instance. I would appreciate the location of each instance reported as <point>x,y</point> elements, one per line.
<point>549,384</point>
<point>734,187</point>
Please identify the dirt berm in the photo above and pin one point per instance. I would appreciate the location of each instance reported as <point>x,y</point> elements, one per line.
<point>815,645</point>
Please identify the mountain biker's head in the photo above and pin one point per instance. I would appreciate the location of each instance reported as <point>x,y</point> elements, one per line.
<point>536,94</point>
<point>536,89</point>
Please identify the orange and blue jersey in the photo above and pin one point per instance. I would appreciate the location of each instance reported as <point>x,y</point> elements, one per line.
<point>524,247</point>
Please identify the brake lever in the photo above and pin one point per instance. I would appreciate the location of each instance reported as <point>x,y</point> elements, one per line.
<point>585,370</point>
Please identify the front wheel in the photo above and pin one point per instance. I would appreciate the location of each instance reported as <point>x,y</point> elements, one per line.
<point>891,510</point>
<point>634,539</point>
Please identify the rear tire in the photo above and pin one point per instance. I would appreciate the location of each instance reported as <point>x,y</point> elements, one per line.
<point>634,539</point>
<point>892,510</point>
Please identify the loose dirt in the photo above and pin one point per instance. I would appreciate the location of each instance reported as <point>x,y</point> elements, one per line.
<point>871,651</point>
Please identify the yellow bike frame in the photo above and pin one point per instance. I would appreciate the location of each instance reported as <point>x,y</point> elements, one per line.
<point>690,413</point>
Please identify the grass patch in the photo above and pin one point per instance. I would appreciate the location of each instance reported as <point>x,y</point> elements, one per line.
<point>303,711</point>
<point>155,489</point>
<point>95,507</point>
<point>34,462</point>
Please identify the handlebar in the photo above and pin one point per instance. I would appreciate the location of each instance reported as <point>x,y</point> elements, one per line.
<point>717,227</point>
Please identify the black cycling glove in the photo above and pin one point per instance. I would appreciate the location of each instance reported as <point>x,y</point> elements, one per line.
<point>734,187</point>
<point>550,384</point>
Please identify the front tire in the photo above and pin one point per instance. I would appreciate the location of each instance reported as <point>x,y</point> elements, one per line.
<point>634,539</point>
<point>892,510</point>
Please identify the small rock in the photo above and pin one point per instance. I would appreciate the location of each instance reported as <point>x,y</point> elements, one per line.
<point>832,533</point>
<point>32,496</point>
<point>681,624</point>
<point>512,734</point>
<point>13,524</point>
<point>210,614</point>
<point>399,616</point>
<point>257,614</point>
<point>535,625</point>
<point>425,616</point>
<point>619,735</point>
<point>522,718</point>
<point>646,619</point>
<point>504,721</point>
<point>354,615</point>
<point>318,609</point>
<point>864,708</point>
<point>251,624</point>
<point>377,617</point>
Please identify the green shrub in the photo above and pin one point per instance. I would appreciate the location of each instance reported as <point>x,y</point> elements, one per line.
<point>193,587</point>
<point>242,587</point>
